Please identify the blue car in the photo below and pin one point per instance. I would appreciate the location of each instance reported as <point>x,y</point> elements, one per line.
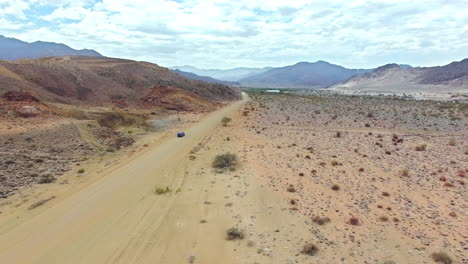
<point>180,134</point>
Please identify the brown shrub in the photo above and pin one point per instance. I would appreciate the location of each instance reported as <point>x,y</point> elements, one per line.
<point>441,257</point>
<point>309,249</point>
<point>335,187</point>
<point>353,221</point>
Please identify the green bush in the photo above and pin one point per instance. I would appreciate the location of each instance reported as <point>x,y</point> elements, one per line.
<point>46,178</point>
<point>162,190</point>
<point>226,120</point>
<point>234,233</point>
<point>225,161</point>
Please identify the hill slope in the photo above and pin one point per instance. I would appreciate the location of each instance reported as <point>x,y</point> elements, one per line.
<point>99,80</point>
<point>303,75</point>
<point>392,78</point>
<point>13,49</point>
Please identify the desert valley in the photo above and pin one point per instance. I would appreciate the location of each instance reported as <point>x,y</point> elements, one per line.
<point>110,160</point>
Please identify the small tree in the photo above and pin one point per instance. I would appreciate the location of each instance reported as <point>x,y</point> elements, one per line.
<point>226,120</point>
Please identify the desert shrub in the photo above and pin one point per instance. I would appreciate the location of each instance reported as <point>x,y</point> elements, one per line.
<point>81,171</point>
<point>162,190</point>
<point>385,194</point>
<point>441,257</point>
<point>405,172</point>
<point>225,161</point>
<point>234,233</point>
<point>448,184</point>
<point>383,218</point>
<point>46,178</point>
<point>353,221</point>
<point>452,142</point>
<point>309,249</point>
<point>291,188</point>
<point>320,220</point>
<point>117,119</point>
<point>226,120</point>
<point>335,187</point>
<point>421,147</point>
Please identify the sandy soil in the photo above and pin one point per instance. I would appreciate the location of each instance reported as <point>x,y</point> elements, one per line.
<point>408,203</point>
<point>111,214</point>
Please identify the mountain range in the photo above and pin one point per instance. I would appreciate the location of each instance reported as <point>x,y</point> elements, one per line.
<point>319,74</point>
<point>231,75</point>
<point>393,78</point>
<point>14,49</point>
<point>193,76</point>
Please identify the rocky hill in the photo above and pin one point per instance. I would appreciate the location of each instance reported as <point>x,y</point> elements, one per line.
<point>302,75</point>
<point>100,81</point>
<point>13,49</point>
<point>448,80</point>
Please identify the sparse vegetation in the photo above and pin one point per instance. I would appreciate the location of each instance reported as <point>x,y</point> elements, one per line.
<point>291,188</point>
<point>46,178</point>
<point>118,119</point>
<point>162,190</point>
<point>353,221</point>
<point>441,257</point>
<point>383,218</point>
<point>405,172</point>
<point>234,233</point>
<point>421,147</point>
<point>309,249</point>
<point>225,161</point>
<point>226,120</point>
<point>320,220</point>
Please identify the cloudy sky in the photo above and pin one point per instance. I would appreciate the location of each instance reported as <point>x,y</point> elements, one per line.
<point>254,33</point>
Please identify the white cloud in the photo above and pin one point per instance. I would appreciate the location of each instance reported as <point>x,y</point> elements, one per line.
<point>224,33</point>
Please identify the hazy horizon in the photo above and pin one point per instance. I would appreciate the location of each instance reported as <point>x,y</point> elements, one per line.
<point>220,34</point>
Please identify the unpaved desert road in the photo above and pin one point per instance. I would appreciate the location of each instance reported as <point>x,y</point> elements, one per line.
<point>119,218</point>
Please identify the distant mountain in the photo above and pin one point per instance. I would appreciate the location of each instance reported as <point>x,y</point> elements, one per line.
<point>231,75</point>
<point>302,75</point>
<point>394,78</point>
<point>13,49</point>
<point>193,76</point>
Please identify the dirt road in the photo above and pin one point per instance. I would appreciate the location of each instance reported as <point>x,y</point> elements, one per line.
<point>120,219</point>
